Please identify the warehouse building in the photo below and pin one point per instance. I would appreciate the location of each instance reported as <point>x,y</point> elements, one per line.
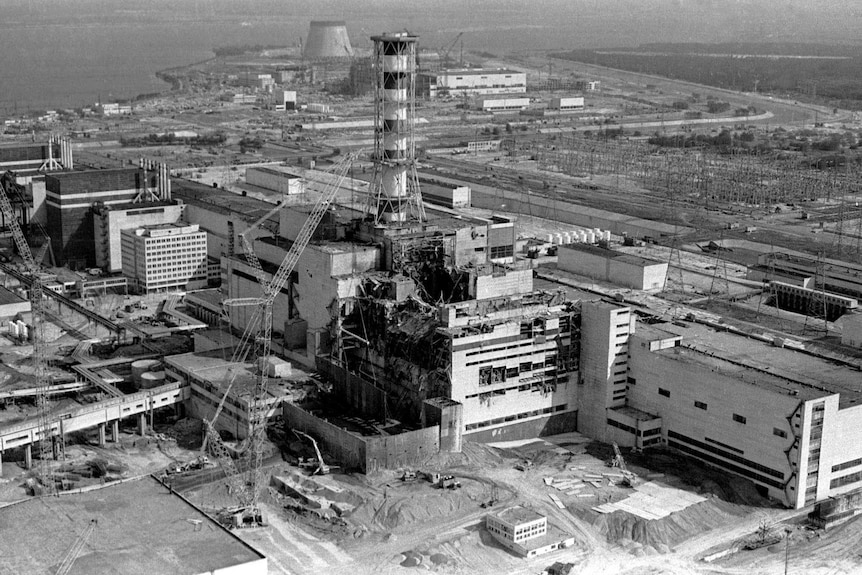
<point>470,82</point>
<point>611,266</point>
<point>502,104</point>
<point>275,180</point>
<point>569,104</point>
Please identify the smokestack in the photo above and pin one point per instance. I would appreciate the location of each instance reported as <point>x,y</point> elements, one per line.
<point>328,39</point>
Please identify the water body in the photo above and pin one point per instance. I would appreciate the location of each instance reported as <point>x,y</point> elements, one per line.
<point>71,53</point>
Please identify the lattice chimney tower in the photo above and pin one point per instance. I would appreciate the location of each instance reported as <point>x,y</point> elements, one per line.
<point>395,195</point>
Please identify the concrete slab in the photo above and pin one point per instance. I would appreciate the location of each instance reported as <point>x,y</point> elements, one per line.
<point>652,501</point>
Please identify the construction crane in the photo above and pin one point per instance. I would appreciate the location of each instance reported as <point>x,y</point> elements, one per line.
<point>40,360</point>
<point>256,340</point>
<point>75,550</point>
<point>444,52</point>
<point>320,467</point>
<point>629,478</point>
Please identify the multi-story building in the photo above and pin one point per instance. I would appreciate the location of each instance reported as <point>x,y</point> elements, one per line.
<point>470,82</point>
<point>110,221</point>
<point>165,256</point>
<point>791,422</point>
<point>70,200</point>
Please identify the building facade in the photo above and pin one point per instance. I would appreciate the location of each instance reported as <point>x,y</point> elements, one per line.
<point>471,82</point>
<point>70,197</point>
<point>165,256</point>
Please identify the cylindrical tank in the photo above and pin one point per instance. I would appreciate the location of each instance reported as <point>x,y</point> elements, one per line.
<point>142,366</point>
<point>567,238</point>
<point>607,235</point>
<point>549,238</point>
<point>558,239</point>
<point>582,235</point>
<point>152,379</point>
<point>591,237</point>
<point>13,329</point>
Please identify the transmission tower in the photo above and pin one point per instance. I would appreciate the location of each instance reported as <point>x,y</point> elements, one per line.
<point>817,301</point>
<point>719,273</point>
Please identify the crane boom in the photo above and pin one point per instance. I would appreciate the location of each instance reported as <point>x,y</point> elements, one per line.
<point>258,332</point>
<point>75,550</point>
<point>40,360</point>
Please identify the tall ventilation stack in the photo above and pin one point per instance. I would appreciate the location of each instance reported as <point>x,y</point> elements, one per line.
<point>327,39</point>
<point>395,193</point>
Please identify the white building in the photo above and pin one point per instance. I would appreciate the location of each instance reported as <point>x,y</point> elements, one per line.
<point>110,221</point>
<point>524,531</point>
<point>471,82</point>
<point>567,104</point>
<point>283,100</point>
<point>275,180</point>
<point>790,422</point>
<point>502,104</point>
<point>165,256</point>
<point>612,266</point>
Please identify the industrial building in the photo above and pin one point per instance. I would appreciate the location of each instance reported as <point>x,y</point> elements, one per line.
<point>774,415</point>
<point>35,158</point>
<point>524,531</point>
<point>611,266</point>
<point>502,104</point>
<point>283,100</point>
<point>275,180</point>
<point>470,82</point>
<point>568,104</point>
<point>137,527</point>
<point>110,221</point>
<point>165,256</point>
<point>209,376</point>
<point>72,197</point>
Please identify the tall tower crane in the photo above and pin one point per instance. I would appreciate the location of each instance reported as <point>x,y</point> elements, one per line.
<point>444,52</point>
<point>257,338</point>
<point>40,360</point>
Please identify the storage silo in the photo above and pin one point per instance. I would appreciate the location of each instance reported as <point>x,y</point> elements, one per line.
<point>142,366</point>
<point>152,379</point>
<point>327,39</point>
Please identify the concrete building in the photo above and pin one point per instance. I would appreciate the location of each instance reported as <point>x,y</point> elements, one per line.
<point>210,375</point>
<point>70,200</point>
<point>778,417</point>
<point>450,197</point>
<point>471,82</point>
<point>851,333</point>
<point>502,104</point>
<point>139,527</point>
<point>258,82</point>
<point>568,104</point>
<point>28,159</point>
<point>525,532</point>
<point>612,266</point>
<point>165,256</point>
<point>110,221</point>
<point>835,275</point>
<point>275,180</point>
<point>283,100</point>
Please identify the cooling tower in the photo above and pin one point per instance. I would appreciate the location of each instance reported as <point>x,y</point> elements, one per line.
<point>328,39</point>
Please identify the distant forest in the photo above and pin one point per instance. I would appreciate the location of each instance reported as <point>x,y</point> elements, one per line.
<point>813,70</point>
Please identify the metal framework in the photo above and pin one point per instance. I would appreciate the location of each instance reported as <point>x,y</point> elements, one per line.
<point>395,196</point>
<point>256,342</point>
<point>40,360</point>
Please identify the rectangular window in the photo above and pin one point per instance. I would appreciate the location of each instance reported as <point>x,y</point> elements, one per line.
<point>631,380</point>
<point>779,432</point>
<point>700,405</point>
<point>738,418</point>
<point>663,392</point>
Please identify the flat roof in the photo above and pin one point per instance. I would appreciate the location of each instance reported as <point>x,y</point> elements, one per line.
<point>8,297</point>
<point>518,514</point>
<point>778,369</point>
<point>478,72</point>
<point>609,253</point>
<point>221,201</point>
<point>274,172</point>
<point>212,296</point>
<point>142,528</point>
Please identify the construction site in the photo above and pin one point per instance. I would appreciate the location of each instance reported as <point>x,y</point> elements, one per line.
<point>378,323</point>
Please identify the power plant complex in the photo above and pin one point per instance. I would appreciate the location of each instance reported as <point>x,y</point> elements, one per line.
<point>342,294</point>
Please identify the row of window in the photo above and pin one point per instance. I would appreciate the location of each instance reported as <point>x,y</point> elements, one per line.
<point>846,465</point>
<point>726,454</point>
<point>846,480</point>
<point>508,418</point>
<point>724,464</point>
